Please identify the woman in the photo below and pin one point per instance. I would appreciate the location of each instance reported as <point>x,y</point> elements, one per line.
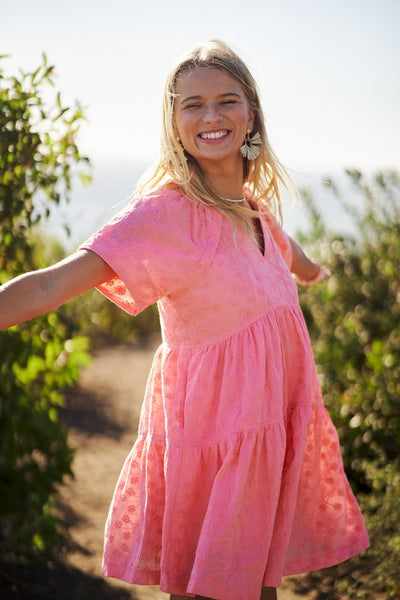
<point>236,477</point>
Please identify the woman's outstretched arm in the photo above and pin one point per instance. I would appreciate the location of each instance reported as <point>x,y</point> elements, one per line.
<point>42,291</point>
<point>306,271</point>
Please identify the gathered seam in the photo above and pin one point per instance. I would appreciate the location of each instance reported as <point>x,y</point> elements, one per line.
<point>226,338</point>
<point>177,443</point>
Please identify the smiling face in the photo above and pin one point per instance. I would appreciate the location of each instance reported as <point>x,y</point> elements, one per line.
<point>211,116</point>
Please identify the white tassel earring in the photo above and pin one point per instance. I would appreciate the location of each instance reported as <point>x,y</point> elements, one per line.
<point>250,148</point>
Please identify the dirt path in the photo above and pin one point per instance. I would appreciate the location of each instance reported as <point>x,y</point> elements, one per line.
<point>102,415</point>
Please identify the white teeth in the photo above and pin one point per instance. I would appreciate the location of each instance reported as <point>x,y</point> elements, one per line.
<point>213,135</point>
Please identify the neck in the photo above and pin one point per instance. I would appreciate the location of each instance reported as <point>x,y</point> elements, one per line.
<point>226,181</point>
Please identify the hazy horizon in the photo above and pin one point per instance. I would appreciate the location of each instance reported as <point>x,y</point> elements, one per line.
<point>326,70</point>
<point>114,182</point>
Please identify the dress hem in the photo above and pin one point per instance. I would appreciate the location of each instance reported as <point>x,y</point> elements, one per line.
<point>297,567</point>
<point>328,559</point>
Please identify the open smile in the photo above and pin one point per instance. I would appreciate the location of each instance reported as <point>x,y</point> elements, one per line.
<point>211,136</point>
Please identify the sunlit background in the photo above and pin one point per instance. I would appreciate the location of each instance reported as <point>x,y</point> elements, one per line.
<point>328,73</point>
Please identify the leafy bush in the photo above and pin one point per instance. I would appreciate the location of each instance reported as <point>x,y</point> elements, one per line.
<point>354,321</point>
<point>106,324</point>
<point>38,359</point>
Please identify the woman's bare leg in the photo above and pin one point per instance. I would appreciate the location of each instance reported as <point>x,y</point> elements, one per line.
<point>175,597</point>
<point>268,593</point>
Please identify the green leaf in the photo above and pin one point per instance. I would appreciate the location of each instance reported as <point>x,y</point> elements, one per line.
<point>38,156</point>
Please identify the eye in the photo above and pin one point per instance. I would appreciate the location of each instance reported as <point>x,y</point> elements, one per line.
<point>229,102</point>
<point>191,106</point>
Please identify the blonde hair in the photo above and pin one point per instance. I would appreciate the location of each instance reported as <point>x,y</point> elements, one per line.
<point>262,176</point>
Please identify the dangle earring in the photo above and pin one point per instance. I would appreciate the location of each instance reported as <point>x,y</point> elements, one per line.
<point>250,148</point>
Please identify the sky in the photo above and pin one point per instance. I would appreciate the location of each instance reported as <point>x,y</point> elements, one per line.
<point>328,70</point>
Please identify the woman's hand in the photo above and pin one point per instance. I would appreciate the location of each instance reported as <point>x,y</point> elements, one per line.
<point>305,271</point>
<point>321,276</point>
<point>39,292</point>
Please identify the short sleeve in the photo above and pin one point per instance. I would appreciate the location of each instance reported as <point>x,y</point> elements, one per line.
<point>154,246</point>
<point>280,237</point>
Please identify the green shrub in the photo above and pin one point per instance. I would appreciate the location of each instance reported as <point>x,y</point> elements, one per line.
<point>354,322</point>
<point>104,323</point>
<point>38,359</point>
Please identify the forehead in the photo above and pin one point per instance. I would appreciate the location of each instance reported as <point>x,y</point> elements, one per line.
<point>202,82</point>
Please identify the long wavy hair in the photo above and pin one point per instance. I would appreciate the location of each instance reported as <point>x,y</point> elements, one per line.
<point>262,177</point>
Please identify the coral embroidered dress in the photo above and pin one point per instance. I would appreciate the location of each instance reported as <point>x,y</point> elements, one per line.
<point>236,476</point>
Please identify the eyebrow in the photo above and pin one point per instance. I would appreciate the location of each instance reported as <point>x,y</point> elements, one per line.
<point>198,97</point>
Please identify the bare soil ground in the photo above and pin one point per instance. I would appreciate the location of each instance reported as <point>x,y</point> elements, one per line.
<point>102,416</point>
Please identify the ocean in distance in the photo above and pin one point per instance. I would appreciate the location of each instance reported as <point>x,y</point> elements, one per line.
<point>113,185</point>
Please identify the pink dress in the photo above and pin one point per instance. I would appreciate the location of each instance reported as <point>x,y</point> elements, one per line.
<point>236,476</point>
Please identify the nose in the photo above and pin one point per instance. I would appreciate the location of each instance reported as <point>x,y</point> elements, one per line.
<point>211,113</point>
